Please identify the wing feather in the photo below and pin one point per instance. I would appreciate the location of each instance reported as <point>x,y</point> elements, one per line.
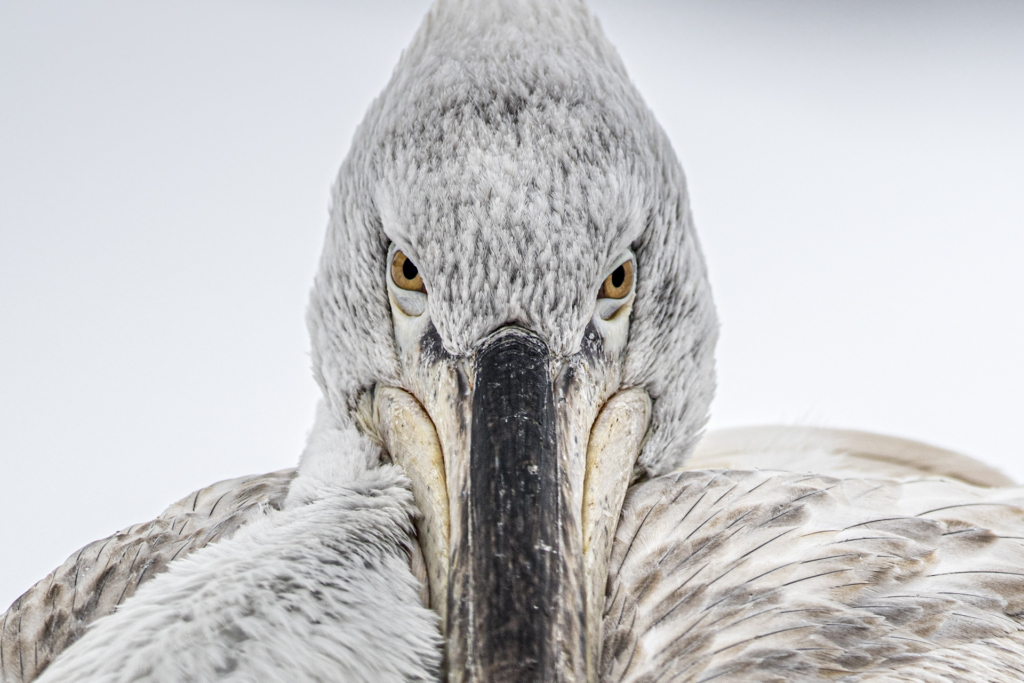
<point>752,575</point>
<point>839,452</point>
<point>55,612</point>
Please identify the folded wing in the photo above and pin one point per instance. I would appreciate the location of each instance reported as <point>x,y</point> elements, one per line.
<point>723,575</point>
<point>56,611</point>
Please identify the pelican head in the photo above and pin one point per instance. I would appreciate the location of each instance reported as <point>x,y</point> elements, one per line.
<point>512,302</point>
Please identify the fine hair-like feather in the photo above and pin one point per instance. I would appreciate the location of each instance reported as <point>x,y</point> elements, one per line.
<point>57,610</point>
<point>776,576</point>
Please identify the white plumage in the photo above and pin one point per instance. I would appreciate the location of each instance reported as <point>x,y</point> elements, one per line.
<point>769,575</point>
<point>512,160</point>
<point>732,574</point>
<point>298,595</point>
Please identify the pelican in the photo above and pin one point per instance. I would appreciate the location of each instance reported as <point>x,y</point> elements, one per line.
<point>506,480</point>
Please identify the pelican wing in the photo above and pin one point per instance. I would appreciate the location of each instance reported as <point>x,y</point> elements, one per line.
<point>757,575</point>
<point>52,614</point>
<point>841,452</point>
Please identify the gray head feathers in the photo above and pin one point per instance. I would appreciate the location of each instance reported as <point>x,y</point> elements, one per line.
<point>512,159</point>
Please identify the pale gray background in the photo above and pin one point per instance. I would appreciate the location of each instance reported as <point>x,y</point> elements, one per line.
<point>856,170</point>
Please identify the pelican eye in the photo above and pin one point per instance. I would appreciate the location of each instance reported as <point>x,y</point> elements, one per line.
<point>619,283</point>
<point>405,274</point>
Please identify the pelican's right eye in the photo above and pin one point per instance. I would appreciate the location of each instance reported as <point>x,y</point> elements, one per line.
<point>406,290</point>
<point>405,274</point>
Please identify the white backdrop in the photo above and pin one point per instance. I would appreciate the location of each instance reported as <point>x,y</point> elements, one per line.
<point>857,173</point>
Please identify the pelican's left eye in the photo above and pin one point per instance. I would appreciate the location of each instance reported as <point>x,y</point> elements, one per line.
<point>615,301</point>
<point>619,283</point>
